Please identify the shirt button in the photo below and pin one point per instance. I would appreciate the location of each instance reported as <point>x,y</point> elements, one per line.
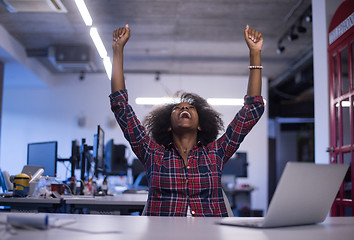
<point>193,212</point>
<point>188,167</point>
<point>186,180</point>
<point>187,196</point>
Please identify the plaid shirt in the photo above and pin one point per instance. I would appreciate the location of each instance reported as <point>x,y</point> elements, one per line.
<point>173,186</point>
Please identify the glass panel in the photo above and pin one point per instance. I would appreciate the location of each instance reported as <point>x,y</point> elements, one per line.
<point>335,84</point>
<point>337,124</point>
<point>347,211</point>
<point>344,70</point>
<point>353,64</point>
<point>337,209</point>
<point>348,177</point>
<point>346,121</point>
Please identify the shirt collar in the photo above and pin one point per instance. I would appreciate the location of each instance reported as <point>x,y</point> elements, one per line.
<point>172,145</point>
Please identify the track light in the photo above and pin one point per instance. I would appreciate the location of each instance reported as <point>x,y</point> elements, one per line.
<point>298,27</point>
<point>280,49</point>
<point>292,35</point>
<point>308,18</point>
<point>301,29</point>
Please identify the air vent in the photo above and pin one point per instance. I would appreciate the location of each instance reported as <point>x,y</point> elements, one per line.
<point>71,58</point>
<point>15,6</point>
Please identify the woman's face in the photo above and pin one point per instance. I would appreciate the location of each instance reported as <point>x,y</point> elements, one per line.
<point>184,116</point>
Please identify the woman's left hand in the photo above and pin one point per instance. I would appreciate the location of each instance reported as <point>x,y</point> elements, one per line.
<point>253,39</point>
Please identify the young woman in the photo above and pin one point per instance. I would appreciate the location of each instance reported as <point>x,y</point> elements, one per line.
<point>178,146</point>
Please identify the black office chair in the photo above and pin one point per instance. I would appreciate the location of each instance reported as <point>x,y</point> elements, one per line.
<point>137,168</point>
<point>141,181</point>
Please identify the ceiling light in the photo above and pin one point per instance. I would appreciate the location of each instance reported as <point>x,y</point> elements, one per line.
<point>95,37</point>
<point>98,42</point>
<point>301,29</point>
<point>292,35</point>
<point>225,101</point>
<point>84,12</point>
<point>280,49</point>
<point>169,100</point>
<point>108,66</point>
<point>308,18</point>
<point>155,101</point>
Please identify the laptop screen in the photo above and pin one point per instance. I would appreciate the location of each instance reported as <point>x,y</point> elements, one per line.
<point>43,154</point>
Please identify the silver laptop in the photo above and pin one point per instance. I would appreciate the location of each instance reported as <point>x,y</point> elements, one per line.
<point>31,169</point>
<point>304,195</point>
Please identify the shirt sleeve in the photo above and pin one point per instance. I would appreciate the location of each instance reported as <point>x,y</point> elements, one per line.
<point>133,130</point>
<point>239,127</point>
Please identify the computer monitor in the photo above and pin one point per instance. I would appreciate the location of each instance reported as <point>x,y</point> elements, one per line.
<point>75,154</point>
<point>43,154</point>
<point>115,161</point>
<point>237,165</point>
<point>98,150</point>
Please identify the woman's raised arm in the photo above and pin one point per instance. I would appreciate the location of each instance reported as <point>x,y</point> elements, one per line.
<point>120,38</point>
<point>254,42</point>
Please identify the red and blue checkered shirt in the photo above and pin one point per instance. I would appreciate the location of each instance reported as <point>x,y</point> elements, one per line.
<point>173,185</point>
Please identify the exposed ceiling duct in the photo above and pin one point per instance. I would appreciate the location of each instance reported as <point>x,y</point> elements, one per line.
<point>71,58</point>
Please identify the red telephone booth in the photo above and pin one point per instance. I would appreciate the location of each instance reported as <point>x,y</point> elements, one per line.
<point>341,100</point>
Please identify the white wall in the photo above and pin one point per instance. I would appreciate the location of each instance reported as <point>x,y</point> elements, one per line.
<point>46,114</point>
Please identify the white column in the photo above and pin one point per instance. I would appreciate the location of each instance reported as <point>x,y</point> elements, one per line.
<point>322,13</point>
<point>320,70</point>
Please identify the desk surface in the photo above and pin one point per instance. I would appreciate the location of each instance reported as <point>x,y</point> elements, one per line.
<point>121,204</point>
<point>137,227</point>
<point>121,199</point>
<point>10,200</point>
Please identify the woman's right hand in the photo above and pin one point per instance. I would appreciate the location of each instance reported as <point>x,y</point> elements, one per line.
<point>120,37</point>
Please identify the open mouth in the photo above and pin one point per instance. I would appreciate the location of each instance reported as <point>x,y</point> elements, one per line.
<point>185,114</point>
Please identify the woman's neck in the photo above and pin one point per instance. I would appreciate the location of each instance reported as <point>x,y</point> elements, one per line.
<point>185,142</point>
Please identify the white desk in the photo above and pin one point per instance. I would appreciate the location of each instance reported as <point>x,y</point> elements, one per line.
<point>122,199</point>
<point>118,204</point>
<point>162,228</point>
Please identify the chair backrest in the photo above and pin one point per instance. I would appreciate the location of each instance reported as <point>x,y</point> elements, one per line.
<point>227,204</point>
<point>137,168</point>
<point>9,184</point>
<point>3,182</point>
<point>226,200</point>
<point>141,180</point>
<point>144,210</point>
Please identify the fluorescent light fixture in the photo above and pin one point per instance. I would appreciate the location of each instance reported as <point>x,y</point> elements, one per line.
<point>155,101</point>
<point>84,12</point>
<point>95,37</point>
<point>225,101</point>
<point>211,101</point>
<point>98,42</point>
<point>108,66</point>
